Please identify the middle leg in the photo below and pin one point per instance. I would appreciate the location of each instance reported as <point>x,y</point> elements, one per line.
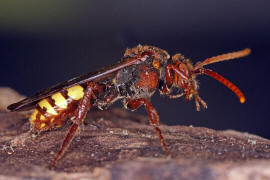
<point>153,118</point>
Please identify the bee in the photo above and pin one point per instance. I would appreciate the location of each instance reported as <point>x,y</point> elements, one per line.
<point>133,80</point>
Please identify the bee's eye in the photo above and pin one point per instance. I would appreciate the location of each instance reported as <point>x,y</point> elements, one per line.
<point>156,64</point>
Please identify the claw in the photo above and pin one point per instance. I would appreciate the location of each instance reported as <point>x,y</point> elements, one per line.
<point>198,101</point>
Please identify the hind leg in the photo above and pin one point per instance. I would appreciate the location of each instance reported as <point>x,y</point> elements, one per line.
<point>80,113</point>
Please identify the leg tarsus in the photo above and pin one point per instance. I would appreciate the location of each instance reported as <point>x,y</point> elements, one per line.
<point>198,101</point>
<point>68,139</point>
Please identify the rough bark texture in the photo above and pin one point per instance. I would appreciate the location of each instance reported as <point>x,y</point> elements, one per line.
<point>118,145</point>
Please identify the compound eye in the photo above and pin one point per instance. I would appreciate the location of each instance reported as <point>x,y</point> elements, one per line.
<point>156,64</point>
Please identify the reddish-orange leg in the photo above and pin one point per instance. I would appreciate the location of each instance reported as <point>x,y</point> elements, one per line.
<point>169,81</point>
<point>153,118</point>
<point>80,113</point>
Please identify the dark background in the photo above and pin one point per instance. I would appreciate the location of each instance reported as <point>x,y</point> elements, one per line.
<point>45,42</point>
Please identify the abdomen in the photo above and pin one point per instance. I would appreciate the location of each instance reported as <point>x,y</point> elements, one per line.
<point>53,110</point>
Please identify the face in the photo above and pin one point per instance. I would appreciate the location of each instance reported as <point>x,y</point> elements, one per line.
<point>183,76</point>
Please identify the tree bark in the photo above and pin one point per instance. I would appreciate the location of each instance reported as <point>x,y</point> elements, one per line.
<point>115,144</point>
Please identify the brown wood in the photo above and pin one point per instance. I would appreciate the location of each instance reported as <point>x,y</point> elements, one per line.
<point>116,144</point>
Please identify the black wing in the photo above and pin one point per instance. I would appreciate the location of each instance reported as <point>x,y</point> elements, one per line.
<point>30,102</point>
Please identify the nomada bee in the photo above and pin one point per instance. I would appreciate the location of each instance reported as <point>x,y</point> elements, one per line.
<point>133,80</point>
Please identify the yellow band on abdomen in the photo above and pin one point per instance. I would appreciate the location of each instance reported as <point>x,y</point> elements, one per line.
<point>34,116</point>
<point>59,100</point>
<point>45,104</point>
<point>75,92</point>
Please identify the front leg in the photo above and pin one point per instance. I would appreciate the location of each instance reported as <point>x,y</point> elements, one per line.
<point>153,118</point>
<point>165,86</point>
<point>80,113</point>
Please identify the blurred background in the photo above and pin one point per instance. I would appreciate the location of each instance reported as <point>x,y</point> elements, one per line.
<point>46,42</point>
